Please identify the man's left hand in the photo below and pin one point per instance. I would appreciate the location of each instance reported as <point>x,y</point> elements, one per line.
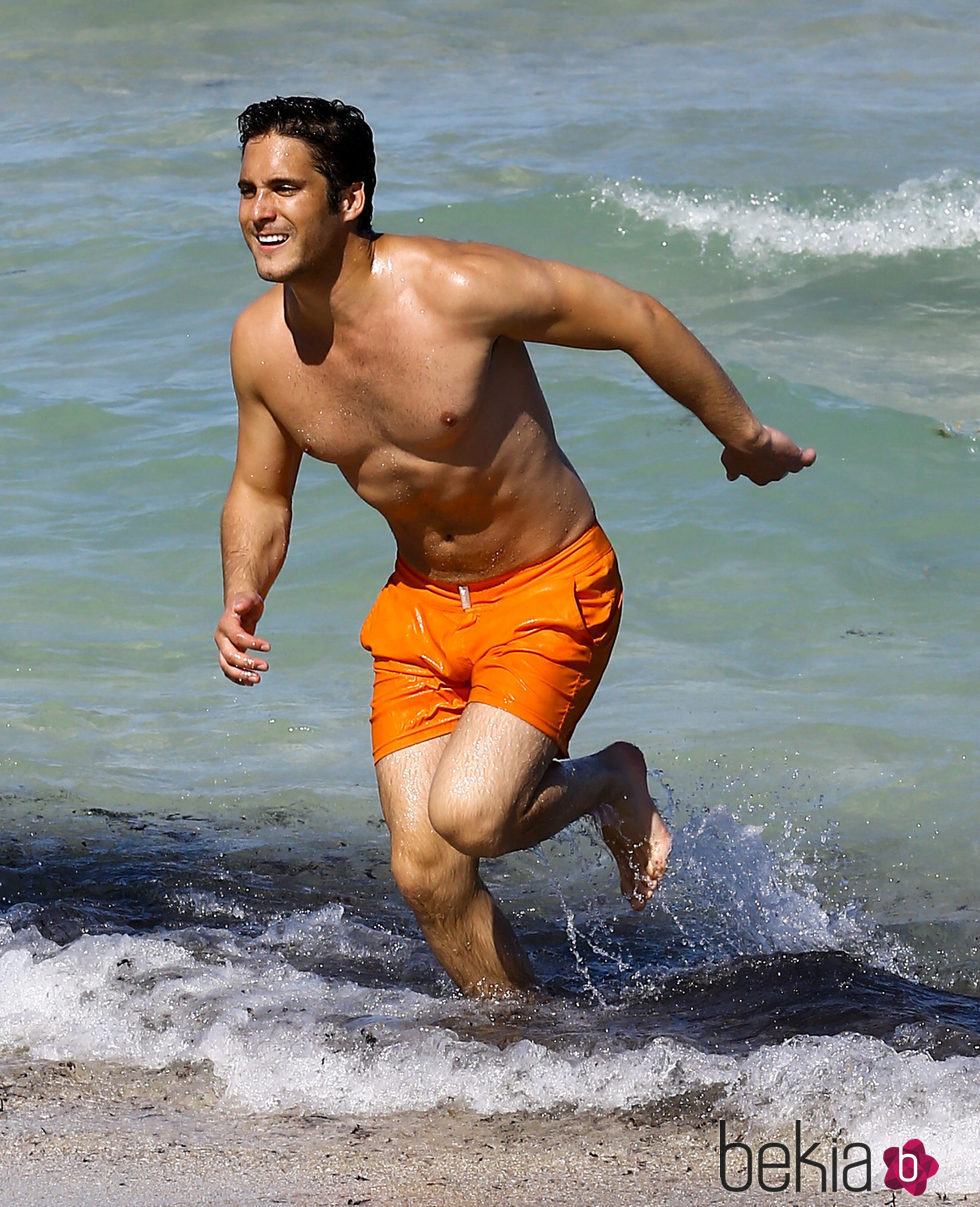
<point>775,456</point>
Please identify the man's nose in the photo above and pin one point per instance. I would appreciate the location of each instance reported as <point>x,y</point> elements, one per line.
<point>262,206</point>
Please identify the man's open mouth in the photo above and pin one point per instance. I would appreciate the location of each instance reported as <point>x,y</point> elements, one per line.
<point>272,240</point>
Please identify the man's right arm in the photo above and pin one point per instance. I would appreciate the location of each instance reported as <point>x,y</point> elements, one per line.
<point>255,523</point>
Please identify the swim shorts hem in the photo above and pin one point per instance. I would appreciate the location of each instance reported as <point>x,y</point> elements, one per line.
<point>413,738</point>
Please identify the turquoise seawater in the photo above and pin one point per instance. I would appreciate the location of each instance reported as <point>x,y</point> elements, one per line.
<point>801,186</point>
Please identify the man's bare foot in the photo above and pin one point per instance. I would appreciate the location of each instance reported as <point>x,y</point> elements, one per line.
<point>631,827</point>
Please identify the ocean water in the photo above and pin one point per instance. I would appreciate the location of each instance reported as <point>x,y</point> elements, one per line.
<point>193,873</point>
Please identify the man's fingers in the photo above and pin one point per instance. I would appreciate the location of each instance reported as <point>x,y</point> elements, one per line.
<point>246,663</point>
<point>240,668</point>
<point>240,639</point>
<point>236,655</point>
<point>243,640</point>
<point>242,678</point>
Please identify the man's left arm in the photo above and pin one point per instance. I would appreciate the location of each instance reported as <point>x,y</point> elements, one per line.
<point>549,302</point>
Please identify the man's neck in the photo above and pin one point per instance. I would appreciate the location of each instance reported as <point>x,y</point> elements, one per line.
<point>336,293</point>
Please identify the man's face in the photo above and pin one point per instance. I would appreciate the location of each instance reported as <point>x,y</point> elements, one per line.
<point>283,209</point>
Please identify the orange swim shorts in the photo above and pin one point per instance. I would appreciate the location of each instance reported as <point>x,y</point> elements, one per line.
<point>533,642</point>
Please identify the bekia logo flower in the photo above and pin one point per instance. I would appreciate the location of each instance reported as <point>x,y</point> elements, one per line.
<point>909,1167</point>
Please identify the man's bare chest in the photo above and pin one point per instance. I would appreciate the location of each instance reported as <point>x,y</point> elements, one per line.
<point>356,398</point>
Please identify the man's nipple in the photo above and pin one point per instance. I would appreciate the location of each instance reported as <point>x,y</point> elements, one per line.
<point>449,418</point>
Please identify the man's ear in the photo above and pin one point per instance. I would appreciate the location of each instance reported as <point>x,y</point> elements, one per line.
<point>353,201</point>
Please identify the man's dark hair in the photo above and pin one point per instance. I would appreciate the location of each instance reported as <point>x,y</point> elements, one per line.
<point>340,141</point>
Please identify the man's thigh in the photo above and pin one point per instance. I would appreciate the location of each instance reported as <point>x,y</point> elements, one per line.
<point>404,782</point>
<point>492,762</point>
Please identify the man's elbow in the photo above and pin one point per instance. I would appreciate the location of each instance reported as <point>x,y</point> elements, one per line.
<point>246,499</point>
<point>642,326</point>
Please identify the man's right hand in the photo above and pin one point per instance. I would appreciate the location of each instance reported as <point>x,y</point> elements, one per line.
<point>235,639</point>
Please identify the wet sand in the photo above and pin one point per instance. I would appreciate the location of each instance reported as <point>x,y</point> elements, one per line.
<point>107,1136</point>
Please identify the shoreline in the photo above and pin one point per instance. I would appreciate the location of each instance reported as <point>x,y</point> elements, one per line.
<point>100,1134</point>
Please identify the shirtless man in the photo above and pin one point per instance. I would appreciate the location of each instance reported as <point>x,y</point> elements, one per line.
<point>402,360</point>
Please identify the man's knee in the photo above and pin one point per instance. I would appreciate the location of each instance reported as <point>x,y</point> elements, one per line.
<point>468,818</point>
<point>434,885</point>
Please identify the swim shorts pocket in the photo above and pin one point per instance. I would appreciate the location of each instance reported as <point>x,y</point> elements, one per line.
<point>394,631</point>
<point>370,621</point>
<point>552,608</point>
<point>598,600</point>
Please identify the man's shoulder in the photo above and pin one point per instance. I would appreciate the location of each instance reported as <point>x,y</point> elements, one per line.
<point>261,312</point>
<point>256,326</point>
<point>428,253</point>
<point>453,274</point>
<point>253,333</point>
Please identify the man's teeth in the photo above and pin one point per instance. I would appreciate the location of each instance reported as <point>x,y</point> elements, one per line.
<point>272,239</point>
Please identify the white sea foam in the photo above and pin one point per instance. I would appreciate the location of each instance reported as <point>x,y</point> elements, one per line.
<point>941,213</point>
<point>280,1038</point>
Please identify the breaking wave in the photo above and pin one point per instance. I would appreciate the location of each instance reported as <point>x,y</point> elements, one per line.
<point>941,213</point>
